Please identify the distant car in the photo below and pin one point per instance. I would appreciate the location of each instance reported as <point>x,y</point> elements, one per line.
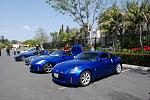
<point>46,64</point>
<point>86,67</point>
<point>23,55</point>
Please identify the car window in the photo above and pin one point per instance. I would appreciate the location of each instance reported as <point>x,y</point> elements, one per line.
<point>91,56</point>
<point>57,53</point>
<point>104,56</point>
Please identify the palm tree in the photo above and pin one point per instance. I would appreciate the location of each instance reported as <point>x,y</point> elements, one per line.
<point>138,15</point>
<point>111,22</point>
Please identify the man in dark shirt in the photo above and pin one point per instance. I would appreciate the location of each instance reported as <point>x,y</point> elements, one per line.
<point>8,51</point>
<point>0,51</point>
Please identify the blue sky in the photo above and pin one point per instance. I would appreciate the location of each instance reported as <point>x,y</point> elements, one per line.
<point>19,19</point>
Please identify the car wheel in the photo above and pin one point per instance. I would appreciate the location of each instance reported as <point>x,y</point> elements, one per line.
<point>48,67</point>
<point>85,78</point>
<point>118,68</point>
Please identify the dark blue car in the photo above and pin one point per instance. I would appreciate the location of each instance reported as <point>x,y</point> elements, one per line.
<point>86,67</point>
<point>23,55</point>
<point>46,64</point>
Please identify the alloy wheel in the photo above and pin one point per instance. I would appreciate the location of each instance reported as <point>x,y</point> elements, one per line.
<point>48,67</point>
<point>85,78</point>
<point>118,68</point>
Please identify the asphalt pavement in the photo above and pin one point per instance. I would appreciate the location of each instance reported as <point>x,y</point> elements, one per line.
<point>18,83</point>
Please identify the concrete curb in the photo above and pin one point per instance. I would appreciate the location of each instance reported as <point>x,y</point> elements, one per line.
<point>136,67</point>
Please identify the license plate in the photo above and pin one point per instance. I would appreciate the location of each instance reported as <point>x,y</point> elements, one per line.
<point>56,75</point>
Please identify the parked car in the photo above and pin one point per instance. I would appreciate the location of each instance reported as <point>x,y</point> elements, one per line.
<point>46,64</point>
<point>87,66</point>
<point>23,55</point>
<point>28,60</point>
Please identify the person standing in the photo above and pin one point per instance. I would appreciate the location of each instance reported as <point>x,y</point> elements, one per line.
<point>15,50</point>
<point>0,51</point>
<point>38,49</point>
<point>66,48</point>
<point>8,51</point>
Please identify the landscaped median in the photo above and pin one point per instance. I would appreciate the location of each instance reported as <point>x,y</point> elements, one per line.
<point>135,59</point>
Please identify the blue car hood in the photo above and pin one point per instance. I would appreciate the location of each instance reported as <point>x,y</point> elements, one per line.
<point>47,58</point>
<point>70,64</point>
<point>76,49</point>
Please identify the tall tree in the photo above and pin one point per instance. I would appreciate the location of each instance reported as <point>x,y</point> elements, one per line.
<point>84,12</point>
<point>138,14</point>
<point>41,36</point>
<point>14,41</point>
<point>31,42</point>
<point>67,29</point>
<point>111,22</point>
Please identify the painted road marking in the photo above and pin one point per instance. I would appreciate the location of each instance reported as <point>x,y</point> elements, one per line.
<point>126,70</point>
<point>62,88</point>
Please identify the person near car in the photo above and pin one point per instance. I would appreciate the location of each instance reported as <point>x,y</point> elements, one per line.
<point>0,51</point>
<point>66,47</point>
<point>15,51</point>
<point>8,51</point>
<point>38,49</point>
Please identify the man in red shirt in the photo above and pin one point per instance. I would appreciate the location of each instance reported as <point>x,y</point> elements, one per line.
<point>66,48</point>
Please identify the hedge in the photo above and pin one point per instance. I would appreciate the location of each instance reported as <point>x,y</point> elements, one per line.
<point>135,59</point>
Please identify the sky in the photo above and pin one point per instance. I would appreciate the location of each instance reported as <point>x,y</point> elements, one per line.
<point>19,19</point>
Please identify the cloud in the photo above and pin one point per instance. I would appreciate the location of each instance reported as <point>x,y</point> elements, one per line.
<point>27,27</point>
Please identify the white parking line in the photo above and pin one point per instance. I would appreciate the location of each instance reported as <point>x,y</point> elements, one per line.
<point>62,88</point>
<point>125,70</point>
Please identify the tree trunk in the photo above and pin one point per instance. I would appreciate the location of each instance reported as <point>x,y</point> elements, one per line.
<point>140,30</point>
<point>113,44</point>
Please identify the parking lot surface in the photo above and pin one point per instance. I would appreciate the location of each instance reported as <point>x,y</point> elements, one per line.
<point>18,83</point>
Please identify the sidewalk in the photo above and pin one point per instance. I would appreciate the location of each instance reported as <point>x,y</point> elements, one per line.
<point>136,67</point>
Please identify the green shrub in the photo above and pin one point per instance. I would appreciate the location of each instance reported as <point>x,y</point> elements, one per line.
<point>135,59</point>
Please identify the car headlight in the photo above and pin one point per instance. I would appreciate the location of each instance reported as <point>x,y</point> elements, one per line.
<point>31,59</point>
<point>40,62</point>
<point>74,70</point>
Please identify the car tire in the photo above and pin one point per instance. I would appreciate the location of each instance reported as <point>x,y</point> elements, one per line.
<point>118,68</point>
<point>85,78</point>
<point>48,67</point>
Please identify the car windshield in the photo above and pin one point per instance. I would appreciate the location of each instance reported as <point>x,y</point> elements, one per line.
<point>90,56</point>
<point>57,53</point>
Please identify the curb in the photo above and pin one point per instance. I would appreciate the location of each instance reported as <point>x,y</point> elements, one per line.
<point>136,67</point>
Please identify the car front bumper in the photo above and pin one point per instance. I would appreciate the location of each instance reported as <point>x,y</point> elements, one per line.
<point>36,68</point>
<point>72,79</point>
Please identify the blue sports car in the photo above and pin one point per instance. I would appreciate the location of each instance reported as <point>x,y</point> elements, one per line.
<point>86,67</point>
<point>46,64</point>
<point>21,56</point>
<point>28,60</point>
